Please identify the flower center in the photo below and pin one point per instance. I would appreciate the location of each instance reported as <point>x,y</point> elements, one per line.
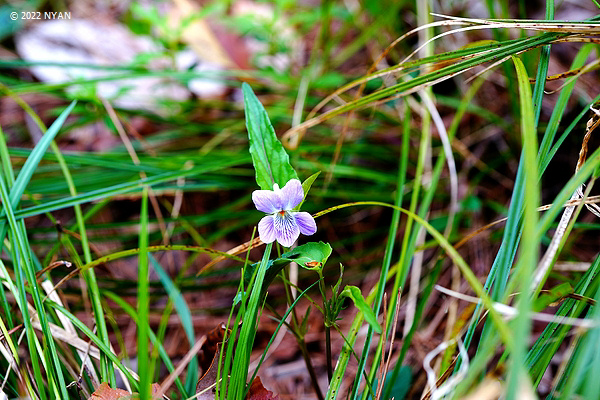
<point>282,212</point>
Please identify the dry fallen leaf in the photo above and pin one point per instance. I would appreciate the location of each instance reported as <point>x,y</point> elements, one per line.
<point>205,389</point>
<point>214,338</point>
<point>259,392</point>
<point>198,35</point>
<point>209,359</point>
<point>105,392</point>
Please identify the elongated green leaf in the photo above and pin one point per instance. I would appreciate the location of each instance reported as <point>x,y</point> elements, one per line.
<point>354,293</point>
<point>241,360</point>
<point>530,244</point>
<point>118,189</point>
<point>186,320</point>
<point>306,185</point>
<point>145,364</point>
<point>548,297</point>
<point>36,155</point>
<point>96,340</point>
<point>31,164</point>
<point>552,337</point>
<point>155,342</point>
<point>271,162</point>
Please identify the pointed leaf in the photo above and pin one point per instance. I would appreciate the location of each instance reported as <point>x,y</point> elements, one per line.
<point>36,155</point>
<point>306,187</point>
<point>32,162</point>
<point>271,162</point>
<point>354,293</point>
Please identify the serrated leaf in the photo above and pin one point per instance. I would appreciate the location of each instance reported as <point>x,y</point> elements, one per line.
<point>270,160</point>
<point>354,293</point>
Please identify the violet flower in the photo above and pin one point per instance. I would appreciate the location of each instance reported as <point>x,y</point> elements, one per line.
<point>283,224</point>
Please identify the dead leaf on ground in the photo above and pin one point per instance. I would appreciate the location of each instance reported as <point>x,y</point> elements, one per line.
<point>214,338</point>
<point>207,383</point>
<point>105,392</point>
<point>259,392</point>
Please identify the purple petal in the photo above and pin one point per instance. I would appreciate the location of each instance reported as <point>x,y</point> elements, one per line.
<point>266,229</point>
<point>306,223</point>
<point>291,194</point>
<point>286,229</point>
<point>267,201</point>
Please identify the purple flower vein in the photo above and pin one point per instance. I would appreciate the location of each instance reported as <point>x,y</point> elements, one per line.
<point>283,224</point>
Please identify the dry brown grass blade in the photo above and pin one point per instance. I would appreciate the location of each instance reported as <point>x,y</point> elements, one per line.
<point>134,157</point>
<point>587,28</point>
<point>547,260</point>
<point>249,245</point>
<point>181,366</point>
<point>382,360</point>
<point>566,74</point>
<point>292,137</point>
<point>39,275</point>
<point>511,312</point>
<point>592,200</point>
<point>386,365</point>
<point>573,74</point>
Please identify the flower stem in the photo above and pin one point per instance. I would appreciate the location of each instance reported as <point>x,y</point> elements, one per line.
<point>299,335</point>
<point>328,347</point>
<point>328,317</point>
<point>309,366</point>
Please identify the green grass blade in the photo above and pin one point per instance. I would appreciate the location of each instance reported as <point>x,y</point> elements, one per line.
<point>186,320</point>
<point>145,370</point>
<point>279,325</point>
<point>31,164</point>
<point>24,269</point>
<point>547,344</point>
<point>120,188</point>
<point>530,244</point>
<point>241,360</point>
<point>96,340</point>
<point>155,342</point>
<point>36,155</point>
<point>545,154</point>
<point>542,71</point>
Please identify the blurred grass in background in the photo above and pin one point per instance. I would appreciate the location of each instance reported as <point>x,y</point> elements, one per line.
<point>154,154</point>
